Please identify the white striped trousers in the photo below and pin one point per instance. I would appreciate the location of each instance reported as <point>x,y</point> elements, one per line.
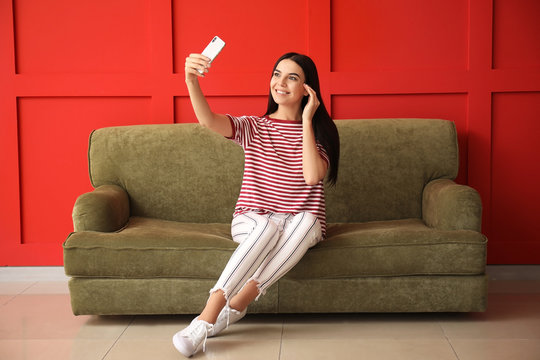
<point>269,246</point>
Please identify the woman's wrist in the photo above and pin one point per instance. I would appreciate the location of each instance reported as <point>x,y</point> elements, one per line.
<point>192,81</point>
<point>306,119</point>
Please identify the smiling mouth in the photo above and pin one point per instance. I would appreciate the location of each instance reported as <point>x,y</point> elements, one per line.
<point>282,92</point>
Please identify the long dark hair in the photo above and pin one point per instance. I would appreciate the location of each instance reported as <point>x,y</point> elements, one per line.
<point>323,126</point>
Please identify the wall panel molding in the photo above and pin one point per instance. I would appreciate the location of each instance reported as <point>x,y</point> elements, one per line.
<point>51,178</point>
<point>97,36</point>
<point>520,19</point>
<point>470,61</point>
<point>515,170</point>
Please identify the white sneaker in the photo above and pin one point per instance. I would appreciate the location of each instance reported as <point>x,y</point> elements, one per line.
<point>226,317</point>
<point>188,340</point>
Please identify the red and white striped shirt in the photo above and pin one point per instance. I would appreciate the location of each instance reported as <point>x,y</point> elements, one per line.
<point>273,179</point>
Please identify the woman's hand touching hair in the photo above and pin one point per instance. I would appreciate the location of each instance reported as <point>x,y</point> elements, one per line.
<point>312,104</point>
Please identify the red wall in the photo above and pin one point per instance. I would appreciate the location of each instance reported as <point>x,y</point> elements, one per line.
<point>67,67</point>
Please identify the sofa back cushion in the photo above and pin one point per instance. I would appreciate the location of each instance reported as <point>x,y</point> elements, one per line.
<point>385,164</point>
<point>180,172</point>
<point>184,172</point>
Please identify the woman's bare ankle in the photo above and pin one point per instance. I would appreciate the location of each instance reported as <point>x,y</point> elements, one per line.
<point>213,307</point>
<point>209,320</point>
<point>236,306</point>
<point>249,292</point>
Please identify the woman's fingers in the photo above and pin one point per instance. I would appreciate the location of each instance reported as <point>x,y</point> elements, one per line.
<point>312,104</point>
<point>197,64</point>
<point>312,95</point>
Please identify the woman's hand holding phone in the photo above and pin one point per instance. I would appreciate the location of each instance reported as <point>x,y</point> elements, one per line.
<point>196,66</point>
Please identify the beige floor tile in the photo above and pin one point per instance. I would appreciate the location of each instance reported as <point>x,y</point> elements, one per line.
<point>155,327</point>
<point>379,349</point>
<point>47,287</point>
<point>221,348</point>
<point>14,287</point>
<point>164,327</point>
<point>363,326</point>
<point>255,327</point>
<point>252,331</point>
<point>215,349</point>
<point>509,316</point>
<point>4,299</point>
<point>57,349</point>
<point>500,349</point>
<point>50,317</point>
<point>148,349</point>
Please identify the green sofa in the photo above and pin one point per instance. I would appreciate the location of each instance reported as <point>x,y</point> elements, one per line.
<point>154,235</point>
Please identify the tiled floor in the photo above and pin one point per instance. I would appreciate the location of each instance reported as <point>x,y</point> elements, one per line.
<point>36,323</point>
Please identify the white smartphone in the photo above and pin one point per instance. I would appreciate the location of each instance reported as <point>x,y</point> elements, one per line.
<point>213,49</point>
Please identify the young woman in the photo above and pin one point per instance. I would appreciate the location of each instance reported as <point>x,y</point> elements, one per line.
<point>280,211</point>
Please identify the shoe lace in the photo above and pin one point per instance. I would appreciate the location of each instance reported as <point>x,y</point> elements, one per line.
<point>198,332</point>
<point>229,310</point>
<point>205,338</point>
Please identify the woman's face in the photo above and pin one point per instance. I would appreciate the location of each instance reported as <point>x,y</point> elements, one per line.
<point>287,83</point>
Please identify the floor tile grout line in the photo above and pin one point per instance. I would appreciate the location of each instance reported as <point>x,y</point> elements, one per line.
<point>25,290</point>
<point>448,340</point>
<point>118,338</point>
<point>13,296</point>
<point>452,347</point>
<point>34,283</point>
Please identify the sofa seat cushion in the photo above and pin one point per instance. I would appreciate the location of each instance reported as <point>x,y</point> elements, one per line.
<point>150,248</point>
<point>393,248</point>
<point>153,248</point>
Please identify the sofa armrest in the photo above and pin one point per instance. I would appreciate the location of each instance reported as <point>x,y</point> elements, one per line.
<point>105,209</point>
<point>450,206</point>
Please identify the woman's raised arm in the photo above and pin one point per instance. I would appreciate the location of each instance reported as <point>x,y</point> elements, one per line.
<point>216,122</point>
